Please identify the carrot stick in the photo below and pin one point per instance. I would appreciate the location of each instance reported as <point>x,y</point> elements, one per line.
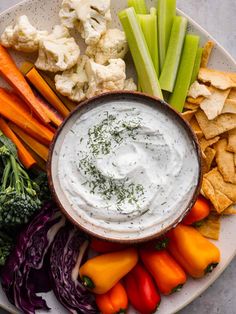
<point>25,157</point>
<point>41,164</point>
<point>13,111</point>
<point>66,101</point>
<point>39,148</point>
<point>25,108</point>
<point>10,72</point>
<point>22,106</point>
<point>52,114</point>
<point>40,84</point>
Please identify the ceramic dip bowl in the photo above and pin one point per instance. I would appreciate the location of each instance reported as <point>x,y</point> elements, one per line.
<point>125,167</point>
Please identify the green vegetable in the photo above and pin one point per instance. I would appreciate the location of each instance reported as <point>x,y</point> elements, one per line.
<point>166,12</point>
<point>18,197</point>
<point>43,190</point>
<point>138,5</point>
<point>148,24</point>
<point>139,89</point>
<point>177,99</point>
<point>197,64</point>
<point>171,64</point>
<point>139,50</point>
<point>6,245</point>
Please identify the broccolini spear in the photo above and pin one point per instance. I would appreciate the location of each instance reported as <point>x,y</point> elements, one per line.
<point>18,196</point>
<point>6,245</point>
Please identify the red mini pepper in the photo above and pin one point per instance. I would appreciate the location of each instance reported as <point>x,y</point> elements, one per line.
<point>115,301</point>
<point>167,273</point>
<point>141,290</point>
<point>198,212</point>
<point>102,246</point>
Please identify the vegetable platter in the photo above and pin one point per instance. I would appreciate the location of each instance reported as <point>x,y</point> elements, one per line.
<point>44,14</point>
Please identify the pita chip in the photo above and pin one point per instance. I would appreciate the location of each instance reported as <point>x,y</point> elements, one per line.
<point>196,101</point>
<point>190,106</point>
<point>209,45</point>
<point>206,143</point>
<point>219,125</point>
<point>187,115</point>
<point>207,161</point>
<point>218,199</point>
<point>235,159</point>
<point>218,79</point>
<point>225,161</point>
<point>232,75</point>
<point>213,105</point>
<point>218,183</point>
<point>196,90</point>
<point>229,106</point>
<point>232,141</point>
<point>196,128</point>
<point>231,210</point>
<point>232,94</point>
<point>210,227</point>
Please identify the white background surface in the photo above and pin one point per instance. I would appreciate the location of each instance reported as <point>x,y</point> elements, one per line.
<point>218,18</point>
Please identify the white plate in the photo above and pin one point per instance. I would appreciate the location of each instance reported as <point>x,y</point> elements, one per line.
<point>44,14</point>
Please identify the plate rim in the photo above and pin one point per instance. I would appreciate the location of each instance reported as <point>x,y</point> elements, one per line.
<point>229,56</point>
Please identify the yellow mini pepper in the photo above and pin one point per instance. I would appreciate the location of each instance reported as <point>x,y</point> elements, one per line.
<point>192,251</point>
<point>102,272</point>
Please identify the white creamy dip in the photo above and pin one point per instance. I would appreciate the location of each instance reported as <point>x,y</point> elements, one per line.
<point>127,168</point>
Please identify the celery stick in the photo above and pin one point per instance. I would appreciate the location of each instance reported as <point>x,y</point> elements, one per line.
<point>171,64</point>
<point>177,99</point>
<point>148,24</point>
<point>138,5</point>
<point>139,89</point>
<point>143,63</point>
<point>197,64</point>
<point>166,12</point>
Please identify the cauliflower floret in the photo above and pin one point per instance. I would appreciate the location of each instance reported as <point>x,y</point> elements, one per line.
<point>112,45</point>
<point>22,36</point>
<point>73,83</point>
<point>57,51</point>
<point>89,16</point>
<point>104,78</point>
<point>130,85</point>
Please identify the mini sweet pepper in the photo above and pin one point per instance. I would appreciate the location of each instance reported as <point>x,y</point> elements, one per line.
<point>199,211</point>
<point>141,290</point>
<point>115,301</point>
<point>194,253</point>
<point>101,273</point>
<point>102,246</point>
<point>167,273</point>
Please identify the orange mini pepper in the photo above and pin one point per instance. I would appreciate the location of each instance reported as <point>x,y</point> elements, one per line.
<point>114,301</point>
<point>194,253</point>
<point>101,273</point>
<point>167,273</point>
<point>198,212</point>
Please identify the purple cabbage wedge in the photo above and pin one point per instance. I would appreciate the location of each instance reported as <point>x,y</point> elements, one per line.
<point>67,253</point>
<point>28,258</point>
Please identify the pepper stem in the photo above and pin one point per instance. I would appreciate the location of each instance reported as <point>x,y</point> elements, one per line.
<point>198,223</point>
<point>121,311</point>
<point>177,289</point>
<point>88,283</point>
<point>162,244</point>
<point>210,268</point>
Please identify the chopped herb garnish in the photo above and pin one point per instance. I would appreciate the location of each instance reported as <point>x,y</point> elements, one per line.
<point>109,188</point>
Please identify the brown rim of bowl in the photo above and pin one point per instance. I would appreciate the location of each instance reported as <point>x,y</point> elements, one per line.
<point>144,96</point>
